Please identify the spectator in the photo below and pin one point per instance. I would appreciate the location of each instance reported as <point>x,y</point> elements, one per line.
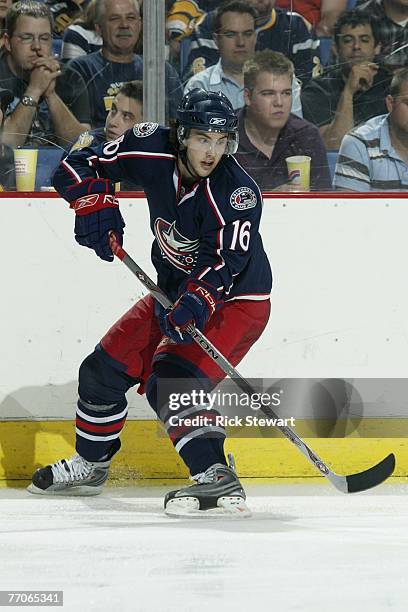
<point>65,12</point>
<point>7,174</point>
<point>392,17</point>
<point>276,29</point>
<point>269,133</point>
<point>181,18</point>
<point>4,6</point>
<point>374,156</point>
<point>235,37</point>
<point>126,110</point>
<point>81,38</point>
<point>321,14</point>
<point>49,105</point>
<point>104,71</point>
<point>353,90</point>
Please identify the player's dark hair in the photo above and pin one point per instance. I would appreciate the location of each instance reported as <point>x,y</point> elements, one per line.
<point>27,8</point>
<point>134,90</point>
<point>266,61</point>
<point>400,77</point>
<point>234,6</point>
<point>355,19</point>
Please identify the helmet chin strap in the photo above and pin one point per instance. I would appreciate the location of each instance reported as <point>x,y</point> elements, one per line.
<point>186,163</point>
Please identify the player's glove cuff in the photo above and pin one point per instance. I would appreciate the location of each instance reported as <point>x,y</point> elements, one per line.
<point>195,306</point>
<point>90,186</point>
<point>92,203</point>
<point>205,292</point>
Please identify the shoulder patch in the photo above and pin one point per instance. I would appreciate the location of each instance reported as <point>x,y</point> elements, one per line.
<point>243,198</point>
<point>144,129</point>
<point>85,140</point>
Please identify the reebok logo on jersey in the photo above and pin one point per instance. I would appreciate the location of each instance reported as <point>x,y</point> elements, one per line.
<point>243,198</point>
<point>141,130</point>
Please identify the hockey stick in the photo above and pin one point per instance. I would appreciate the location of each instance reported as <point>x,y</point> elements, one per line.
<point>346,484</point>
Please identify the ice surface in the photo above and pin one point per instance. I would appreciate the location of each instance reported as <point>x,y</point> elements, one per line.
<point>306,548</point>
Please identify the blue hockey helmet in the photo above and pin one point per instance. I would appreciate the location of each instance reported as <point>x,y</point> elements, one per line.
<point>210,111</point>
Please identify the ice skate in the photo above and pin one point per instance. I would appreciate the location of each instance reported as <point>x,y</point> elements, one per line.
<point>74,476</point>
<point>217,492</point>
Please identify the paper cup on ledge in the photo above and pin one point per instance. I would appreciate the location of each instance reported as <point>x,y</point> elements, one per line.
<point>25,163</point>
<point>299,171</point>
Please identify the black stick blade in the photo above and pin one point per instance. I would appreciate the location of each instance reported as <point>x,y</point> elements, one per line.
<point>371,477</point>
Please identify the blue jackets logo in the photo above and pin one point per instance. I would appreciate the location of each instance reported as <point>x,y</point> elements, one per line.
<point>243,198</point>
<point>181,252</point>
<point>144,129</point>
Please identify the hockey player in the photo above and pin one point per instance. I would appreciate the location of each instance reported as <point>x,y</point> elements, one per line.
<point>204,214</point>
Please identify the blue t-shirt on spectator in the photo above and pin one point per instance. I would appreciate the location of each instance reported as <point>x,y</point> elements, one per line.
<point>104,78</point>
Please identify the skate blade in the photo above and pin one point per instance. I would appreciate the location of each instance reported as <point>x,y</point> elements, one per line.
<point>189,507</point>
<point>69,492</point>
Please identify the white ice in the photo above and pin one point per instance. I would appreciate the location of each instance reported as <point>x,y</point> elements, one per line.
<point>306,548</point>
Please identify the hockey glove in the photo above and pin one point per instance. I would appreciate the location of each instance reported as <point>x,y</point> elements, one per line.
<point>96,215</point>
<point>196,306</point>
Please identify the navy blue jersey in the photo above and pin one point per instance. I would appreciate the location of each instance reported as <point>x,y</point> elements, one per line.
<point>209,233</point>
<point>93,138</point>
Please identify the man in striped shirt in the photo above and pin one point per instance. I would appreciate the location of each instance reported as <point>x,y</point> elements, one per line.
<point>374,156</point>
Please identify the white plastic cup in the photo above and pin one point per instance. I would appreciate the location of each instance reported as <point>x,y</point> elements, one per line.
<point>299,171</point>
<point>25,164</point>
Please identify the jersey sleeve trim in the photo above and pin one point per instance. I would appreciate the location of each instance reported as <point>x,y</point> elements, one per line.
<point>213,204</point>
<point>255,297</point>
<point>130,154</point>
<point>221,221</point>
<point>71,171</point>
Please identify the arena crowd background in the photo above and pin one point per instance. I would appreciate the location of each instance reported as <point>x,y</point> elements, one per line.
<point>342,115</point>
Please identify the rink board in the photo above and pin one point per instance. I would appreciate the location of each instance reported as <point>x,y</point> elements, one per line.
<point>145,453</point>
<point>339,309</point>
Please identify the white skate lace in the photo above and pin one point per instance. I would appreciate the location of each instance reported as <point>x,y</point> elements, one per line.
<point>210,474</point>
<point>69,470</point>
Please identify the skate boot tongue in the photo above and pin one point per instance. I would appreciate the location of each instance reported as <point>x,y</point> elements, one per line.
<point>211,475</point>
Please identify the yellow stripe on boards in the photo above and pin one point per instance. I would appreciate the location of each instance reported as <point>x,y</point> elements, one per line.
<point>148,453</point>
